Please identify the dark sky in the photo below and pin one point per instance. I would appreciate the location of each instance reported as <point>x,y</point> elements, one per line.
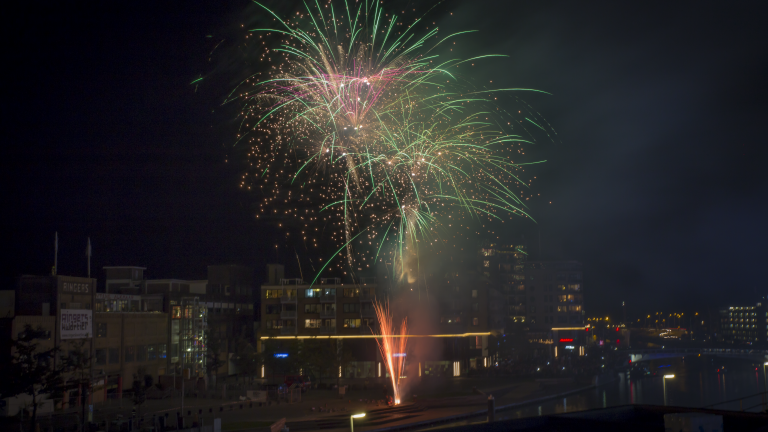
<point>656,177</point>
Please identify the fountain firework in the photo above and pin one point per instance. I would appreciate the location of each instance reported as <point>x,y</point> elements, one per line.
<point>392,345</point>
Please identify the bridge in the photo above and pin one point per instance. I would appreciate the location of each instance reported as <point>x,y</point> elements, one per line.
<point>638,355</point>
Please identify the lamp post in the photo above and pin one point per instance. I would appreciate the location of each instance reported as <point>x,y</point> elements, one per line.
<point>765,384</point>
<point>664,381</point>
<point>352,421</point>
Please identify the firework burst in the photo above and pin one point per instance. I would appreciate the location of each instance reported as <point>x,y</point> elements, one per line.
<point>370,141</point>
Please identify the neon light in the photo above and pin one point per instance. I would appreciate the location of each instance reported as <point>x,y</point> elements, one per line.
<point>281,355</point>
<point>376,336</point>
<point>566,340</point>
<point>398,355</point>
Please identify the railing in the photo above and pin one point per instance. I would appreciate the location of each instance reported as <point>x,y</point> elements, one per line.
<point>328,314</point>
<point>327,330</point>
<point>288,314</point>
<point>369,313</point>
<point>741,402</point>
<point>330,281</point>
<point>328,298</point>
<point>288,298</point>
<point>288,330</point>
<point>728,351</point>
<point>295,281</point>
<point>367,280</point>
<point>366,297</point>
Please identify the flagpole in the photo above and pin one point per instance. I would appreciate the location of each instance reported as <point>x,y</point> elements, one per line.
<point>88,254</point>
<point>56,254</point>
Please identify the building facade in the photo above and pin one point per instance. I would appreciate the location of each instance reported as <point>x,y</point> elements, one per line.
<point>220,307</point>
<point>555,292</point>
<point>744,324</point>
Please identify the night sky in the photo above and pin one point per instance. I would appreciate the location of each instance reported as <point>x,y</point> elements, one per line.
<point>656,179</point>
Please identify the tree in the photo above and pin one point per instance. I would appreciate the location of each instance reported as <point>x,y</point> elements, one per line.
<point>247,359</point>
<point>341,356</point>
<point>139,389</point>
<point>34,372</point>
<point>213,361</point>
<point>78,365</point>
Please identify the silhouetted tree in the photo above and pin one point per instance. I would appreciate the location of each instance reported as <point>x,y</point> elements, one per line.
<point>213,349</point>
<point>246,358</point>
<point>32,371</point>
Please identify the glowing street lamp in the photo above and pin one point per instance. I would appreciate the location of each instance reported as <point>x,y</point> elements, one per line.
<point>664,380</point>
<point>352,421</point>
<point>765,384</point>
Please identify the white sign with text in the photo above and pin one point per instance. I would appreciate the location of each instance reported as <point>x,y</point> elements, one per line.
<point>76,324</point>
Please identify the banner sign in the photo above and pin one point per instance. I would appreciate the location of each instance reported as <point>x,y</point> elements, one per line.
<point>76,324</point>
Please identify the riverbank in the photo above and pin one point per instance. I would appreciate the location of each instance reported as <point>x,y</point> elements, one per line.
<point>442,408</point>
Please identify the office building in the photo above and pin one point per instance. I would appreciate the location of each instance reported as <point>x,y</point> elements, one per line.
<point>221,306</point>
<point>744,324</point>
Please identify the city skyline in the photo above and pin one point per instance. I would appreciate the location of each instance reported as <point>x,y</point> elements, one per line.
<point>651,184</point>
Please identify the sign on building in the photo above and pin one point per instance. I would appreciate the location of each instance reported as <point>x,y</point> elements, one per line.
<point>76,324</point>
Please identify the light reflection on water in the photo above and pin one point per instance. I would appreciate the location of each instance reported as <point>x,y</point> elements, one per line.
<point>696,384</point>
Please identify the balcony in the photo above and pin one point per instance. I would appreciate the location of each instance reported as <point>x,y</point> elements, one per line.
<point>366,297</point>
<point>327,330</point>
<point>295,281</point>
<point>288,330</point>
<point>370,313</point>
<point>328,298</point>
<point>288,299</point>
<point>328,314</point>
<point>288,315</point>
<point>330,281</point>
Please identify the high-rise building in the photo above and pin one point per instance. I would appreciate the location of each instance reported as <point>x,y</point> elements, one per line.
<point>555,292</point>
<point>505,266</point>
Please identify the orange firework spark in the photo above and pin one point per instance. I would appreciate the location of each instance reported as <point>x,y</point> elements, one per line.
<point>392,348</point>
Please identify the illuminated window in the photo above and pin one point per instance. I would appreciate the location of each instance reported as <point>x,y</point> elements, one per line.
<point>475,321</point>
<point>351,322</point>
<point>312,323</point>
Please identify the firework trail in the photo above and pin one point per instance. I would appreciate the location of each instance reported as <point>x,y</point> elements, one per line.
<point>366,137</point>
<point>392,346</point>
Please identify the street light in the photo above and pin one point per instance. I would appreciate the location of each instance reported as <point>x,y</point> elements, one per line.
<point>352,421</point>
<point>765,384</point>
<point>664,380</point>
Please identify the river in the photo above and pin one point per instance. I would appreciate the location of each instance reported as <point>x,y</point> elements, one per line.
<point>698,382</point>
